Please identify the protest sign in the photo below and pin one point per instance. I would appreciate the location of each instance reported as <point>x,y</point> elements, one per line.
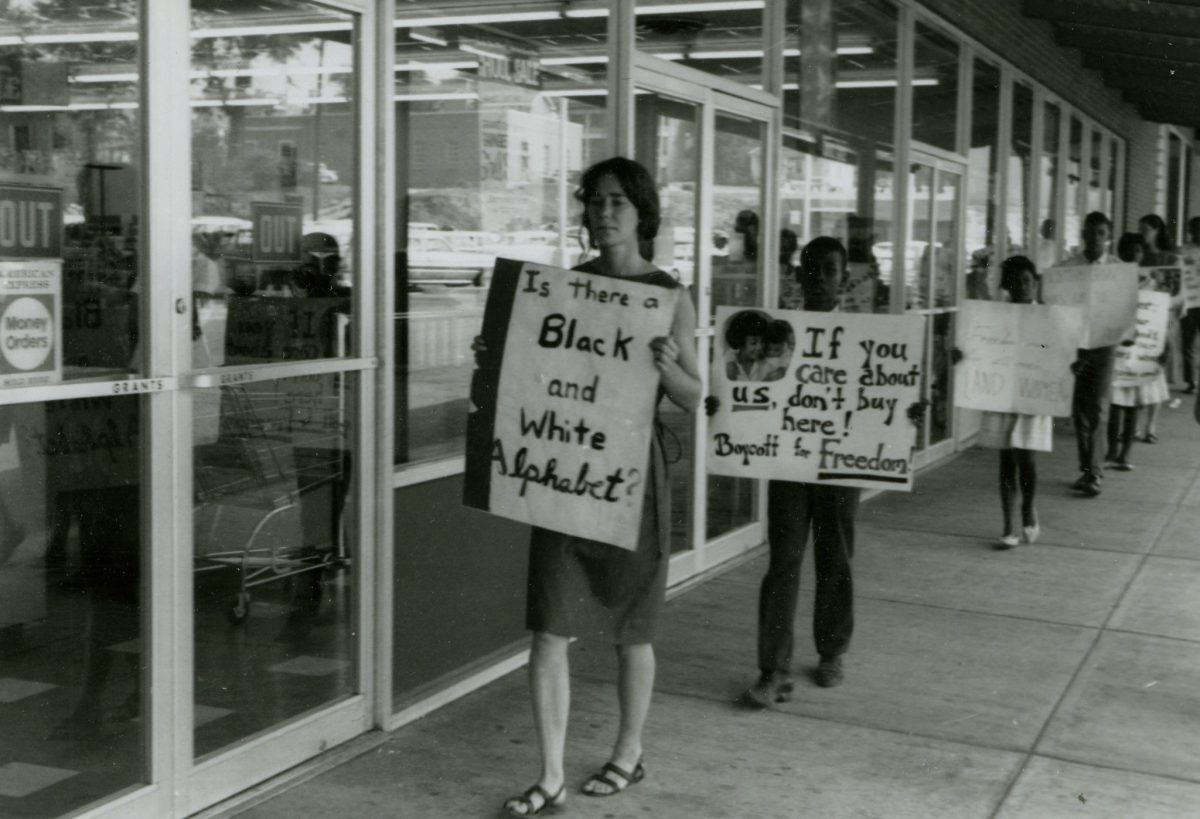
<point>1017,357</point>
<point>1190,278</point>
<point>560,433</point>
<point>1106,292</point>
<point>1138,364</point>
<point>831,407</point>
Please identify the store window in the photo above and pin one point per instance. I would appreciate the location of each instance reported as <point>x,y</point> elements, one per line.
<point>73,673</point>
<point>1074,219</point>
<point>722,38</point>
<point>1097,175</point>
<point>982,165</point>
<point>496,118</point>
<point>1110,182</point>
<point>1020,159</point>
<point>1046,246</point>
<point>1175,200</point>
<point>273,165</point>
<point>935,89</point>
<point>839,109</point>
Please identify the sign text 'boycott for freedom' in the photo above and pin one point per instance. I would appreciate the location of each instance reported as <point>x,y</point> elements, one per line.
<point>560,436</point>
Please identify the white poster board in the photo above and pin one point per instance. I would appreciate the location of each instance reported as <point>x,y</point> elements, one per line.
<point>830,408</point>
<point>31,329</point>
<point>1106,292</point>
<point>560,437</point>
<point>1190,279</point>
<point>1138,364</point>
<point>1017,357</point>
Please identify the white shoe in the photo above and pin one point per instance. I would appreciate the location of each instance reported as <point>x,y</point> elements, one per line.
<point>1008,542</point>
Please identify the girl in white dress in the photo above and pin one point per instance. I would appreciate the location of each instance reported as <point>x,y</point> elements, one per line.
<point>1018,436</point>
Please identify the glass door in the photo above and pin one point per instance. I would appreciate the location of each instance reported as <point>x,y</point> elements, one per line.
<point>707,151</point>
<point>934,264</point>
<point>281,391</point>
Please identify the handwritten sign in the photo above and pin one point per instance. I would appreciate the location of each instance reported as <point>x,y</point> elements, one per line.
<point>1017,357</point>
<point>1190,278</point>
<point>1106,292</point>
<point>831,407</point>
<point>1138,364</point>
<point>560,436</point>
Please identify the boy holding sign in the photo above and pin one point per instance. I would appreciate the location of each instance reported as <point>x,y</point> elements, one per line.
<point>793,509</point>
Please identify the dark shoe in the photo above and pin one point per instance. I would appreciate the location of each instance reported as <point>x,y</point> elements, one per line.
<point>535,801</point>
<point>604,778</point>
<point>1189,389</point>
<point>829,672</point>
<point>772,687</point>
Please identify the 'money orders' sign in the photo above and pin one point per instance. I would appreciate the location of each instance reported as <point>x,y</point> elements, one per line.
<point>30,222</point>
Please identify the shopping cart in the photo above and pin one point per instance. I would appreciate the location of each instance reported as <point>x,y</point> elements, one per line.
<point>253,474</point>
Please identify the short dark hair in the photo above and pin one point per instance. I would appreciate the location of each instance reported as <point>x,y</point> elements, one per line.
<point>743,325</point>
<point>811,255</point>
<point>779,332</point>
<point>635,181</point>
<point>1096,218</point>
<point>1128,243</point>
<point>1011,270</point>
<point>1162,240</point>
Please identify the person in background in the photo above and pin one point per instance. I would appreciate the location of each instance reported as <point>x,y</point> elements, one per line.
<point>1017,436</point>
<point>1092,368</point>
<point>1189,323</point>
<point>584,588</point>
<point>1160,253</point>
<point>1123,409</point>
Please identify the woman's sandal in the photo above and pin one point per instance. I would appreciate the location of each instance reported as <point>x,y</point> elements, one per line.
<point>603,777</point>
<point>524,805</point>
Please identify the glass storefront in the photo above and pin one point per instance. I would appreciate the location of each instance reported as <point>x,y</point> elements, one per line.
<point>238,387</point>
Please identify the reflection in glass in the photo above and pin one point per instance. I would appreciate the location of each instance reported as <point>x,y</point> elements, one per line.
<point>1098,160</point>
<point>71,670</point>
<point>737,275</point>
<point>273,612</point>
<point>668,143</point>
<point>919,258</point>
<point>1048,192</point>
<point>69,168</point>
<point>494,125</point>
<point>945,239</point>
<point>1071,236</point>
<point>983,270</point>
<point>935,89</point>
<point>727,42</point>
<point>1019,162</point>
<point>273,166</point>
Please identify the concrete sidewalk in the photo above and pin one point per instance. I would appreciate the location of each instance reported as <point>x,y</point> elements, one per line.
<point>1059,679</point>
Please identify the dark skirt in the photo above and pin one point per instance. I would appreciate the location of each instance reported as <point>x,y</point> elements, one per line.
<point>584,588</point>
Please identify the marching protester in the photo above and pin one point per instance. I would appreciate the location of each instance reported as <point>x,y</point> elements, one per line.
<point>793,510</point>
<point>1092,368</point>
<point>592,590</point>
<point>1189,323</point>
<point>1160,252</point>
<point>1017,436</point>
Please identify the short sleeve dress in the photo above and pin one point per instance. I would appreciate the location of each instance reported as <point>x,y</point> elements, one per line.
<point>583,588</point>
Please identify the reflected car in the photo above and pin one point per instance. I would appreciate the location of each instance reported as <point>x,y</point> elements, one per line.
<point>456,257</point>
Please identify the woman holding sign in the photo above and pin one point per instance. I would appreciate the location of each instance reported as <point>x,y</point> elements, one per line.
<point>587,589</point>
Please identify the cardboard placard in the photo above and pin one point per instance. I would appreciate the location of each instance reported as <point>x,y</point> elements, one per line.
<point>560,433</point>
<point>1106,292</point>
<point>1190,277</point>
<point>1138,364</point>
<point>831,408</point>
<point>1017,357</point>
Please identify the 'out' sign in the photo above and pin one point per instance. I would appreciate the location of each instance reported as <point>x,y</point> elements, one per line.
<point>31,222</point>
<point>276,231</point>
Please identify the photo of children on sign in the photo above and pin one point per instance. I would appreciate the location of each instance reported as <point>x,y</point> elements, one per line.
<point>828,405</point>
<point>758,348</point>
